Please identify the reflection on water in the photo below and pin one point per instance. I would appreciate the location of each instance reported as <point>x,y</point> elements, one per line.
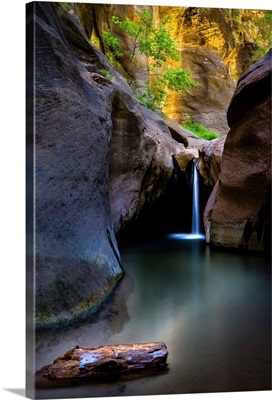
<point>211,308</point>
<point>94,331</point>
<point>187,236</point>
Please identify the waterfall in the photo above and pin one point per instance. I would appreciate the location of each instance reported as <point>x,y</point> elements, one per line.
<point>195,226</point>
<point>195,203</point>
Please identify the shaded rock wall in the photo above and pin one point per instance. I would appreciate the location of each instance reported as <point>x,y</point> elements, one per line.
<point>239,210</point>
<point>74,236</point>
<point>86,124</point>
<point>96,19</point>
<point>140,160</point>
<point>209,162</point>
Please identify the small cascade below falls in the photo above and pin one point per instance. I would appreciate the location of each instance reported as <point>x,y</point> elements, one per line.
<point>195,228</point>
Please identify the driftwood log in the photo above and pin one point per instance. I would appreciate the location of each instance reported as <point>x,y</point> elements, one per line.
<point>106,361</point>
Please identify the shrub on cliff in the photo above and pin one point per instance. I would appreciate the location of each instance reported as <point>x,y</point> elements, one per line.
<point>199,130</point>
<point>157,44</point>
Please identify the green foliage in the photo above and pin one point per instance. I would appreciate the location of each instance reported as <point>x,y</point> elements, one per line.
<point>113,43</point>
<point>106,73</point>
<point>154,42</point>
<point>156,94</point>
<point>178,79</point>
<point>264,41</point>
<point>66,6</point>
<point>199,130</point>
<point>157,44</point>
<point>95,41</point>
<point>147,97</point>
<point>235,13</point>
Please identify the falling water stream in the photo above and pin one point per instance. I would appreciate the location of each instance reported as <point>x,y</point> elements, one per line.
<point>195,227</point>
<point>195,205</point>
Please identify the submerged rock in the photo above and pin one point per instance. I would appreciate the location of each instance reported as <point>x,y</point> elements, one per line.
<point>240,214</point>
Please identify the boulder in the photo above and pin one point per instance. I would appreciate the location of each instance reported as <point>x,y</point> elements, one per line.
<point>182,135</point>
<point>240,215</point>
<point>209,162</point>
<point>190,143</point>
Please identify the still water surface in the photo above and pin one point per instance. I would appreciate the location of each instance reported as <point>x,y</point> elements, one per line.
<point>211,308</point>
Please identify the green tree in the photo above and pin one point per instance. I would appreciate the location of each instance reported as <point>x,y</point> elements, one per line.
<point>264,41</point>
<point>158,45</point>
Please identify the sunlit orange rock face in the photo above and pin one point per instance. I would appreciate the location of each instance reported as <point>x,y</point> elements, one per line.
<point>216,48</point>
<point>215,51</point>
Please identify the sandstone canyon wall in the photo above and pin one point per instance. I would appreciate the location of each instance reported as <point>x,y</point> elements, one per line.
<point>101,159</point>
<point>74,236</point>
<point>238,213</point>
<point>215,48</point>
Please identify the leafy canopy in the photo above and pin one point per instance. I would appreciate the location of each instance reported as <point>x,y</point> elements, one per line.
<point>158,45</point>
<point>154,42</point>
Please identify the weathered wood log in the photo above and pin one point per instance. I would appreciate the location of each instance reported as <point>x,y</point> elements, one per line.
<point>106,361</point>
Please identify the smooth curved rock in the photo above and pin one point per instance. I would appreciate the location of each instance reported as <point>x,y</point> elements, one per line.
<point>241,213</point>
<point>253,86</point>
<point>209,162</point>
<point>74,235</point>
<point>101,159</point>
<point>140,161</point>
